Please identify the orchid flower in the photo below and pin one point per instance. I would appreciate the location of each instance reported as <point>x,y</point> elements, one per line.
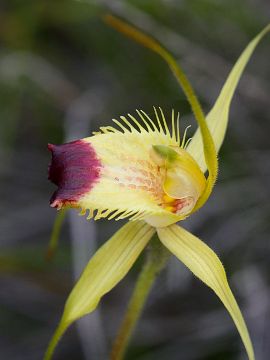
<point>139,169</point>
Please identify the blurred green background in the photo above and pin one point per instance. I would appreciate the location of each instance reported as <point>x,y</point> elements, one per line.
<point>63,74</point>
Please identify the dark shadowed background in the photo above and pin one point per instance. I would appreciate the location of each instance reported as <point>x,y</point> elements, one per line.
<point>63,74</point>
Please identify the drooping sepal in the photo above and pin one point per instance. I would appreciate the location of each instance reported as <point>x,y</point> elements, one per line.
<point>204,263</point>
<point>103,272</point>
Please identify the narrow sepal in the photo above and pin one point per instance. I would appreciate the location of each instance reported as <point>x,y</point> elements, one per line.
<point>208,146</point>
<point>218,117</point>
<point>204,263</point>
<point>104,270</point>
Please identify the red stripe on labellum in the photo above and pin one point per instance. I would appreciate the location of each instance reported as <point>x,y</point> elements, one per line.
<point>75,169</point>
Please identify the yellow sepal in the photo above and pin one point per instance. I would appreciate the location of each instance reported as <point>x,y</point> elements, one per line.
<point>217,119</point>
<point>204,263</point>
<point>105,269</point>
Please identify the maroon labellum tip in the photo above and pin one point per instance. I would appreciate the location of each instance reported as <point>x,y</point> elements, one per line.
<point>75,169</point>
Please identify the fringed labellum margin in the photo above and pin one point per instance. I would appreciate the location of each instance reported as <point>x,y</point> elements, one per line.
<point>149,177</point>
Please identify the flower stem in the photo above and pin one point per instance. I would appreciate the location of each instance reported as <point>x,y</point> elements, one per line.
<point>156,260</point>
<point>60,217</point>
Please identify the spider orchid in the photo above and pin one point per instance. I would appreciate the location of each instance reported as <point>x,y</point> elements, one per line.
<point>141,170</point>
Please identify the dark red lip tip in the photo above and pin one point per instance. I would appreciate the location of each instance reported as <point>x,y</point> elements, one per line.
<point>50,147</point>
<point>75,169</point>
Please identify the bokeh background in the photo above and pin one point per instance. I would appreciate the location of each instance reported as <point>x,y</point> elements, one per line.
<point>63,73</point>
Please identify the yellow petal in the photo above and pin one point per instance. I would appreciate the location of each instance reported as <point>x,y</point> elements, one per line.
<point>208,149</point>
<point>205,264</point>
<point>217,119</point>
<point>113,174</point>
<point>106,268</point>
<point>130,181</point>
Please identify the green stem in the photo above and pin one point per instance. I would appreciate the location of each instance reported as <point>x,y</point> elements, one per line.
<point>53,243</point>
<point>156,260</point>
